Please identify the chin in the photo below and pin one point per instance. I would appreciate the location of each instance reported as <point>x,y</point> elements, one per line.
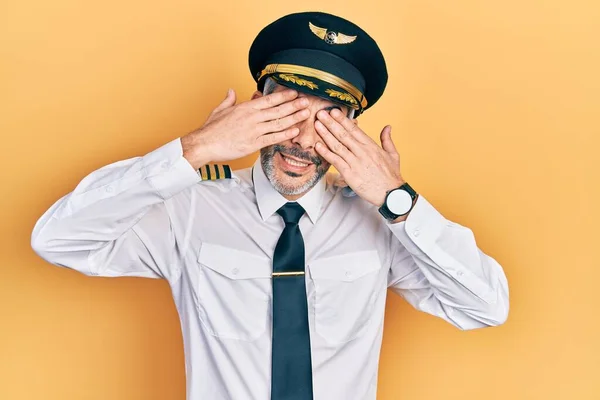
<point>289,184</point>
<point>291,175</point>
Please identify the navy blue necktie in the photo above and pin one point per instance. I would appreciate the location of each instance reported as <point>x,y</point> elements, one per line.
<point>291,362</point>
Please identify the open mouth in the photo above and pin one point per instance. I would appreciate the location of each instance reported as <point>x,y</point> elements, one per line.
<point>294,164</point>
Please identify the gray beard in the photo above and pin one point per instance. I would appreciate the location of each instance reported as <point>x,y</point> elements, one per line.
<point>266,160</point>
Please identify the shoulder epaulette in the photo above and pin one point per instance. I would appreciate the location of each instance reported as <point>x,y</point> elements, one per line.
<point>212,172</point>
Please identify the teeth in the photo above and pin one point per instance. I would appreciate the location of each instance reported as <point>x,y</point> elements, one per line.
<point>294,162</point>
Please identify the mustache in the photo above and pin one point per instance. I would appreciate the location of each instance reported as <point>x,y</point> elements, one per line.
<point>298,153</point>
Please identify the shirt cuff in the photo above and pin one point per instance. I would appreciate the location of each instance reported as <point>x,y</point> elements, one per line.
<point>168,171</point>
<point>419,232</point>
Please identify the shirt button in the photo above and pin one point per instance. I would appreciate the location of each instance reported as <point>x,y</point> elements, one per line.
<point>235,271</point>
<point>109,189</point>
<point>459,273</point>
<point>348,274</point>
<point>416,232</point>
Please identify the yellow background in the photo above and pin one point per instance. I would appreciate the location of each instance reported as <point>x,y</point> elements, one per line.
<point>495,109</point>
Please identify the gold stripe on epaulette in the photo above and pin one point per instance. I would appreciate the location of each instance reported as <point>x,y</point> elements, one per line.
<point>213,172</point>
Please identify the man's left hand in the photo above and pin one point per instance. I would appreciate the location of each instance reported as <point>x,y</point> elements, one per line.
<point>370,170</point>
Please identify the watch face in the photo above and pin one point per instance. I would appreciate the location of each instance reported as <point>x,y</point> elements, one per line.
<point>399,202</point>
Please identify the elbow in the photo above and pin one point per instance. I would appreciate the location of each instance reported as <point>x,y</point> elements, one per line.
<point>38,242</point>
<point>37,245</point>
<point>56,256</point>
<point>486,315</point>
<point>496,305</point>
<point>41,248</point>
<point>44,248</point>
<point>500,313</point>
<point>496,314</point>
<point>499,310</point>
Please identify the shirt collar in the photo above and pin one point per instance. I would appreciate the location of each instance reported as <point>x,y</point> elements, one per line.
<point>270,200</point>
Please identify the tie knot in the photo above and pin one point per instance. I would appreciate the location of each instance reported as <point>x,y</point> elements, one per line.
<point>291,213</point>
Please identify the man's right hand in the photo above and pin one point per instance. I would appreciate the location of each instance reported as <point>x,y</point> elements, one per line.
<point>234,131</point>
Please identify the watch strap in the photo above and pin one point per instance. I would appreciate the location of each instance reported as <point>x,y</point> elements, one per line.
<point>387,214</point>
<point>410,190</point>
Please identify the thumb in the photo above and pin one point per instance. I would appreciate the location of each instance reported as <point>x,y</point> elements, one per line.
<point>386,140</point>
<point>229,101</point>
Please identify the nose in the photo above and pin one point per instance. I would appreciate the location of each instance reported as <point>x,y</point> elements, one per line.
<point>308,136</point>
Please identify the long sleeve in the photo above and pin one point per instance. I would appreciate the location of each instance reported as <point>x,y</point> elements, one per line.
<point>115,222</point>
<point>438,268</point>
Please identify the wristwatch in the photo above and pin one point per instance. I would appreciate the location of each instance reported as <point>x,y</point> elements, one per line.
<point>398,202</point>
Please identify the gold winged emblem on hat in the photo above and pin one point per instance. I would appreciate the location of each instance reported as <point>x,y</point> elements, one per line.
<point>330,36</point>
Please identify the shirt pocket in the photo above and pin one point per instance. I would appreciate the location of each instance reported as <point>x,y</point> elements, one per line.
<point>346,287</point>
<point>234,289</point>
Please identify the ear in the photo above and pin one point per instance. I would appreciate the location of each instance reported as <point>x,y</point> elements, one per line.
<point>256,95</point>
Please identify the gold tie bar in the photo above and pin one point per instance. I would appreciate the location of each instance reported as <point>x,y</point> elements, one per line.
<point>296,273</point>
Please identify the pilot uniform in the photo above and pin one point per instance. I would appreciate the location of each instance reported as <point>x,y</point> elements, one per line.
<point>216,236</point>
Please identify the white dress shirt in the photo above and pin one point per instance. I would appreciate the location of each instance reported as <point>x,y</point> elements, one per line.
<point>213,241</point>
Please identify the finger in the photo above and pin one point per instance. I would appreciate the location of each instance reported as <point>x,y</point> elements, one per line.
<point>338,131</point>
<point>273,99</point>
<point>333,144</point>
<point>280,124</point>
<point>386,141</point>
<point>277,137</point>
<point>283,110</point>
<point>332,158</point>
<point>350,126</point>
<point>229,101</point>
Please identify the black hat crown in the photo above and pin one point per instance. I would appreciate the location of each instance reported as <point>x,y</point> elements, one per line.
<point>323,55</point>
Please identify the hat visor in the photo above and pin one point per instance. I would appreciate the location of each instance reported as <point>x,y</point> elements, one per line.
<point>317,87</point>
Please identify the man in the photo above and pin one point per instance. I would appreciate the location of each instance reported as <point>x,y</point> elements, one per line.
<point>279,275</point>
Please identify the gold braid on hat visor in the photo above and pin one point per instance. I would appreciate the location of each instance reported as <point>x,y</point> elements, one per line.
<point>315,73</point>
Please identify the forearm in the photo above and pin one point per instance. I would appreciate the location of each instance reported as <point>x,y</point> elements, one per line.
<point>108,202</point>
<point>452,277</point>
